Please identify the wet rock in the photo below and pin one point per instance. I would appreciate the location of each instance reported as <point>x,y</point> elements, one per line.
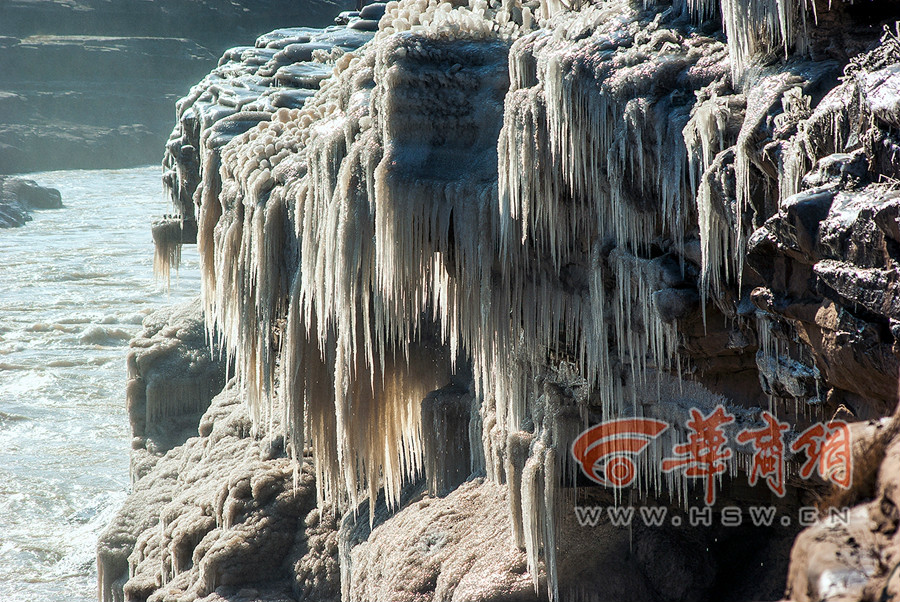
<point>784,377</point>
<point>31,195</point>
<point>12,215</point>
<point>828,257</point>
<point>372,12</point>
<point>803,213</point>
<point>18,197</point>
<point>676,303</point>
<point>843,169</point>
<point>872,289</point>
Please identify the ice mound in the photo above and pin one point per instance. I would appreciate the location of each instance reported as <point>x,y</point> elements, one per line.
<point>103,335</point>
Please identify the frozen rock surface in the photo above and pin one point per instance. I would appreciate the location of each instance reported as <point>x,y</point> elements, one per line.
<point>250,83</point>
<point>457,548</point>
<point>446,251</point>
<point>222,517</point>
<point>173,373</point>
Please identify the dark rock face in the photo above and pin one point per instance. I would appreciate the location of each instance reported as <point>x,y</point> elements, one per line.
<point>18,197</point>
<point>32,195</point>
<point>824,263</point>
<point>829,255</point>
<point>91,84</point>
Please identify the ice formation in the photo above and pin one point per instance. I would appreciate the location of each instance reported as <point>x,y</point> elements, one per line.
<point>397,237</point>
<point>515,188</point>
<point>222,510</point>
<point>403,240</point>
<point>172,376</point>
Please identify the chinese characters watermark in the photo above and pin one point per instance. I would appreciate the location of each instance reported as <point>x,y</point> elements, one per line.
<point>607,452</point>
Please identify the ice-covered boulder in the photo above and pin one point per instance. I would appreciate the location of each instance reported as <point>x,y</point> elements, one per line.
<point>225,515</point>
<point>173,373</point>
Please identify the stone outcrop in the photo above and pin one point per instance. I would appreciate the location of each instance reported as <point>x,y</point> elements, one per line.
<point>18,197</point>
<point>222,517</point>
<point>173,375</point>
<point>853,553</point>
<point>495,225</point>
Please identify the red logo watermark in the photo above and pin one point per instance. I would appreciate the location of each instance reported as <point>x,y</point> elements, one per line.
<point>768,453</point>
<point>607,453</point>
<point>828,447</point>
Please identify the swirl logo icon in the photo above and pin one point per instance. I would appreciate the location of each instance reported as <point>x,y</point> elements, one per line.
<point>607,452</point>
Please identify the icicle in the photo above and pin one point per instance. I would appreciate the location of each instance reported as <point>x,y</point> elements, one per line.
<point>166,256</point>
<point>533,510</point>
<point>759,27</point>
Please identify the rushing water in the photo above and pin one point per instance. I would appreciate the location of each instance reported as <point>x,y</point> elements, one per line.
<point>75,284</point>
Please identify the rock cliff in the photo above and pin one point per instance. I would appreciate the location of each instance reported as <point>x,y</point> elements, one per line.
<point>90,84</point>
<point>439,256</point>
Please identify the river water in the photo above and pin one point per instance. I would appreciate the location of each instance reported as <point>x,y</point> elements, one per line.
<point>75,284</point>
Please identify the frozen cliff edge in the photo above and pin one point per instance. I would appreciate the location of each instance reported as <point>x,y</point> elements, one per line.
<point>537,218</point>
<point>173,375</point>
